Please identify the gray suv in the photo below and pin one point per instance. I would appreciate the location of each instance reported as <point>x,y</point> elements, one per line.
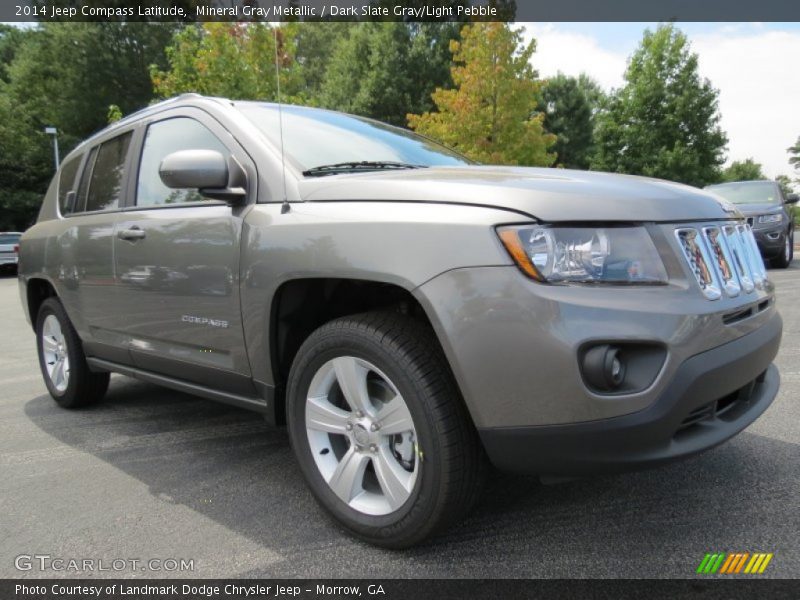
<point>767,210</point>
<point>411,317</point>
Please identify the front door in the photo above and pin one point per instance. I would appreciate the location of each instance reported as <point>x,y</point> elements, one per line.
<point>177,266</point>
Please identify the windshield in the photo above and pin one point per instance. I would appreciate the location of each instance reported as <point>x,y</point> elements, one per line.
<point>314,138</point>
<point>748,192</point>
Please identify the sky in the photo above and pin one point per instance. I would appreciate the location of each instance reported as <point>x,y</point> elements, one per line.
<point>753,65</point>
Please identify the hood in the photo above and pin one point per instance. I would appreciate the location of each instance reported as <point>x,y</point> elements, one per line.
<point>545,194</point>
<point>750,210</point>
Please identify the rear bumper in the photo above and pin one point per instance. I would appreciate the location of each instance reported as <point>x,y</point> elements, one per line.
<point>711,397</point>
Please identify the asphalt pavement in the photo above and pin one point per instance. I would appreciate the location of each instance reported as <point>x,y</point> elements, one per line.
<point>155,474</point>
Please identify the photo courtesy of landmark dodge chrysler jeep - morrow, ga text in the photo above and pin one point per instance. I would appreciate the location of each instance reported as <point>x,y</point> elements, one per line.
<point>410,316</point>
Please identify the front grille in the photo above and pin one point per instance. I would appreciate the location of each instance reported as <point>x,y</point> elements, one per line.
<point>723,258</point>
<point>726,408</point>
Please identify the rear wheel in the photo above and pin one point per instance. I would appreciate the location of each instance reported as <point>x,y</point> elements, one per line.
<point>380,431</point>
<point>785,258</point>
<point>67,376</point>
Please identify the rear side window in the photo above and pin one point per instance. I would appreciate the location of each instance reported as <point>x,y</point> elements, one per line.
<point>163,138</point>
<point>105,185</point>
<point>66,184</point>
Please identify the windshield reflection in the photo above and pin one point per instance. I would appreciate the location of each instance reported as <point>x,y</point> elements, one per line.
<point>315,137</point>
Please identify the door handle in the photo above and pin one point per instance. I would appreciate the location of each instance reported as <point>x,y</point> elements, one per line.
<point>132,234</point>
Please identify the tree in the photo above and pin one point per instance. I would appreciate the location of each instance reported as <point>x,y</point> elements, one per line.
<point>743,170</point>
<point>786,184</point>
<point>316,44</point>
<point>569,105</point>
<point>65,75</point>
<point>385,70</point>
<point>794,154</point>
<point>664,121</point>
<point>234,60</point>
<point>11,38</point>
<point>491,115</point>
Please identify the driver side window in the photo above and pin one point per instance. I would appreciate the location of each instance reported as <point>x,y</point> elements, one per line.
<point>163,138</point>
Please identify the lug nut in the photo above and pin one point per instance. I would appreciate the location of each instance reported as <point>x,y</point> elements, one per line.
<point>359,414</point>
<point>374,427</point>
<point>349,427</point>
<point>373,448</point>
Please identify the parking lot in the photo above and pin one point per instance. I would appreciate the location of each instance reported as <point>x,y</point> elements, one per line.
<point>155,474</point>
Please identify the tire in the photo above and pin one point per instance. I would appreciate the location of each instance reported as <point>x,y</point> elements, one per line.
<point>439,481</point>
<point>783,260</point>
<point>78,385</point>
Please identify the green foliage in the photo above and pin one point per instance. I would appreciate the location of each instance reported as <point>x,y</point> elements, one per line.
<point>10,40</point>
<point>786,184</point>
<point>234,60</point>
<point>386,70</point>
<point>316,42</point>
<point>794,154</point>
<point>743,170</point>
<point>664,121</point>
<point>569,105</point>
<point>65,75</point>
<point>114,113</point>
<point>491,115</point>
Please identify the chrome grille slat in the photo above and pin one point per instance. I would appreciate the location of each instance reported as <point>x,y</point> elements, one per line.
<point>723,261</point>
<point>723,257</point>
<point>740,260</point>
<point>696,254</point>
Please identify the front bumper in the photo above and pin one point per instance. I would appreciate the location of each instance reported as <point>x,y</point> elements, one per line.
<point>771,241</point>
<point>712,396</point>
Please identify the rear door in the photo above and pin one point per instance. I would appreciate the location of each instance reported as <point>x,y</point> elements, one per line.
<point>91,193</point>
<point>177,263</point>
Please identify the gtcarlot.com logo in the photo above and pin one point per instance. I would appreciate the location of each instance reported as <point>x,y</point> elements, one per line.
<point>47,562</point>
<point>734,563</point>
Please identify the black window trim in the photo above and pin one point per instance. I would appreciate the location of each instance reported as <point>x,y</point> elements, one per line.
<point>139,129</point>
<point>81,155</point>
<point>86,169</point>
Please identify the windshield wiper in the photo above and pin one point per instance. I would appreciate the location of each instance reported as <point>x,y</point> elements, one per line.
<point>363,165</point>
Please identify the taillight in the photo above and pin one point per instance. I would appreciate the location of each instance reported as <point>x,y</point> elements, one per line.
<point>16,248</point>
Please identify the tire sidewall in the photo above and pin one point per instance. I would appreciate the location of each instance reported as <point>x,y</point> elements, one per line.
<point>52,307</point>
<point>313,355</point>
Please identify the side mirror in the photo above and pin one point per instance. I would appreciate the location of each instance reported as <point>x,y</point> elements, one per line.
<point>208,171</point>
<point>792,199</point>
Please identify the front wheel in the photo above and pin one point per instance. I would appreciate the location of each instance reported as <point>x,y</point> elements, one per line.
<point>67,376</point>
<point>785,258</point>
<point>379,429</point>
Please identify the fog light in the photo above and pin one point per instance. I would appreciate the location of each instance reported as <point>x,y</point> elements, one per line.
<point>604,368</point>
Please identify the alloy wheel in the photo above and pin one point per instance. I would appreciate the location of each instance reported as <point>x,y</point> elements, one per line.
<point>362,436</point>
<point>54,349</point>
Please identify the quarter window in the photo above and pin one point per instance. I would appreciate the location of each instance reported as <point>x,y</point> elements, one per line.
<point>105,186</point>
<point>163,138</point>
<point>66,183</point>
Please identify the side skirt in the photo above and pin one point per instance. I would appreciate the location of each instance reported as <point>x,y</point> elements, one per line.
<point>263,405</point>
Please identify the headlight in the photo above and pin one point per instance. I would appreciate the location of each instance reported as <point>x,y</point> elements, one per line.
<point>776,218</point>
<point>613,255</point>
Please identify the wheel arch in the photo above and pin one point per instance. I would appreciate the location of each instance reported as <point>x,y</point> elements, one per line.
<point>300,306</point>
<point>37,290</point>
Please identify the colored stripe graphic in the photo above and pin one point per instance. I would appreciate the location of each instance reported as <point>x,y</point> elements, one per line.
<point>741,562</point>
<point>733,563</point>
